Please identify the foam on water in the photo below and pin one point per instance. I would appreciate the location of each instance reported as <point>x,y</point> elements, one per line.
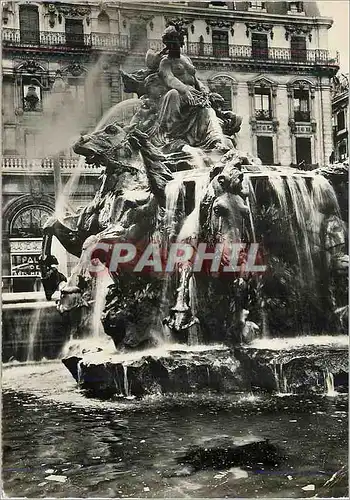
<point>278,344</point>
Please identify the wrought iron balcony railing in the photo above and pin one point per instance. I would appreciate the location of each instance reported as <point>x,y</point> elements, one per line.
<point>263,114</point>
<point>273,54</point>
<point>110,41</point>
<point>107,41</point>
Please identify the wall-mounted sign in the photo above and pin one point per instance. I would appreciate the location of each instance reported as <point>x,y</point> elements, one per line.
<point>25,257</point>
<point>25,265</point>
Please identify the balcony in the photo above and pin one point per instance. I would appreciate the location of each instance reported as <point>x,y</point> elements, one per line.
<point>273,55</point>
<point>13,38</point>
<point>45,166</point>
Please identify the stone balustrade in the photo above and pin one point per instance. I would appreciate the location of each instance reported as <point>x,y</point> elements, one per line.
<point>21,164</point>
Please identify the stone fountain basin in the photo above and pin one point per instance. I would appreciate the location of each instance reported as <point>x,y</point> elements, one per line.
<point>169,369</point>
<point>318,364</point>
<point>298,365</point>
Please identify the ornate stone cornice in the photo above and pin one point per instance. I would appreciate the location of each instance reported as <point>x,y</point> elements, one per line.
<point>302,85</point>
<point>220,23</point>
<point>137,16</point>
<point>260,27</point>
<point>264,125</point>
<point>223,80</point>
<point>75,69</point>
<point>262,83</point>
<point>73,10</point>
<point>29,66</point>
<point>58,10</point>
<point>183,21</point>
<point>298,29</point>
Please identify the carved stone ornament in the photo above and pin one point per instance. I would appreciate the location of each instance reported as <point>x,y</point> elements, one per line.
<point>52,13</point>
<point>30,66</point>
<point>137,16</point>
<point>260,27</point>
<point>275,125</point>
<point>223,81</point>
<point>35,187</point>
<point>182,21</point>
<point>220,23</point>
<point>25,246</point>
<point>253,123</point>
<point>291,123</point>
<point>262,83</point>
<point>302,85</point>
<point>298,29</point>
<point>74,10</point>
<point>75,69</point>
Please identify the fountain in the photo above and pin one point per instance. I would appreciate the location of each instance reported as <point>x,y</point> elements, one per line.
<point>204,326</point>
<point>192,252</point>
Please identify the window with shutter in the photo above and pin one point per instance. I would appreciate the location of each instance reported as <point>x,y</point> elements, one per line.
<point>74,32</point>
<point>301,105</point>
<point>262,101</point>
<point>298,48</point>
<point>259,46</point>
<point>29,24</point>
<point>220,43</point>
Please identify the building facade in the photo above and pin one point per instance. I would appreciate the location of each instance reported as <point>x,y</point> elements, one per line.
<point>62,65</point>
<point>340,117</point>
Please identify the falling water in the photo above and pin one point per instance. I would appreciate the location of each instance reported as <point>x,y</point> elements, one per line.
<point>329,384</point>
<point>306,205</point>
<point>216,126</point>
<point>248,187</point>
<point>33,332</point>
<point>277,182</point>
<point>173,190</point>
<point>301,207</point>
<point>102,281</point>
<point>324,194</point>
<point>126,382</point>
<point>194,333</point>
<point>190,228</point>
<point>264,321</point>
<point>117,112</point>
<point>280,378</point>
<point>197,155</point>
<point>302,199</point>
<point>79,377</point>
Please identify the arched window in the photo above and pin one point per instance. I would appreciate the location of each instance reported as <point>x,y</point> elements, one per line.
<point>263,119</point>
<point>29,222</point>
<point>29,24</point>
<point>26,230</point>
<point>263,99</point>
<point>103,23</point>
<point>226,87</point>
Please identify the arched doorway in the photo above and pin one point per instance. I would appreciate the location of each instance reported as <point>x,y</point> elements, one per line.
<point>25,247</point>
